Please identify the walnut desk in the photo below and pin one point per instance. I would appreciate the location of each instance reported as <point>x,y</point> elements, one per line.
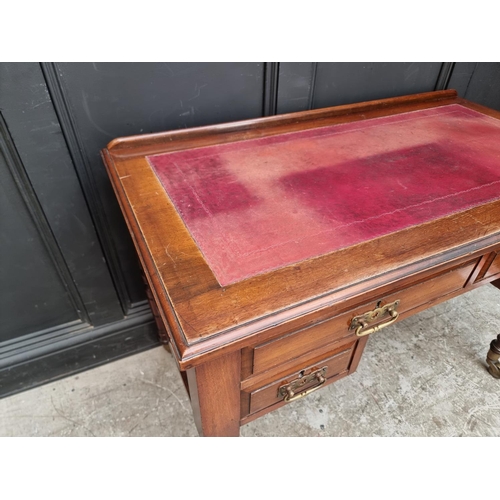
<point>273,247</point>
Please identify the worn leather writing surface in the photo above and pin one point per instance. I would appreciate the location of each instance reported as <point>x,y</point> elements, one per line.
<point>254,206</point>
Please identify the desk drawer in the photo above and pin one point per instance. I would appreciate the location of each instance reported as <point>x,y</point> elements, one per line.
<point>305,378</point>
<point>297,344</point>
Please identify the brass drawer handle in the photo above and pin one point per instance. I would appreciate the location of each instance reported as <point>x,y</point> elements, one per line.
<point>288,391</point>
<point>362,321</point>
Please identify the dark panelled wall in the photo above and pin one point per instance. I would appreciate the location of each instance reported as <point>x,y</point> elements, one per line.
<point>71,295</point>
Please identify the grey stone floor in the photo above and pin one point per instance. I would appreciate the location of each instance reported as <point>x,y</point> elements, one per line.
<point>425,376</point>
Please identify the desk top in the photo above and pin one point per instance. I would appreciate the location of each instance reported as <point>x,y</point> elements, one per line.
<point>257,205</point>
<point>247,225</point>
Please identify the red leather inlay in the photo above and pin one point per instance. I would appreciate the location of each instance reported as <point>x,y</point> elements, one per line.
<point>257,205</point>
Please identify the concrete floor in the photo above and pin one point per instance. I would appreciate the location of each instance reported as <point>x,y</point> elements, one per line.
<point>424,376</point>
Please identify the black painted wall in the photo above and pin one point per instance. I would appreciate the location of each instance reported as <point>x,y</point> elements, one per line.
<point>70,292</point>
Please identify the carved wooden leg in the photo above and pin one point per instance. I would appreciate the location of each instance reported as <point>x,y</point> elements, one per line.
<point>215,395</point>
<point>494,353</point>
<point>493,358</point>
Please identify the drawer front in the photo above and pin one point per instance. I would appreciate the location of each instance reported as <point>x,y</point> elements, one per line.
<point>297,344</point>
<point>332,365</point>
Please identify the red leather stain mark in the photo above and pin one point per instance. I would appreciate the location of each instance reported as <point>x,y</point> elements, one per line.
<point>395,189</point>
<point>204,189</point>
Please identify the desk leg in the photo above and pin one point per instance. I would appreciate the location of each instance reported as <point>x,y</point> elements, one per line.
<point>493,358</point>
<point>215,395</point>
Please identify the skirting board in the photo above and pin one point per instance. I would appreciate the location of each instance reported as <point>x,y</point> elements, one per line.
<point>86,350</point>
